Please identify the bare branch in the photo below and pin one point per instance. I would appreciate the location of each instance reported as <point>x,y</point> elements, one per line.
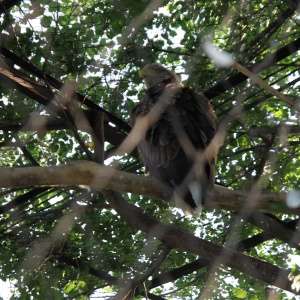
<point>256,78</point>
<point>275,229</point>
<point>26,153</point>
<point>33,69</point>
<point>285,129</point>
<point>95,176</point>
<point>200,263</point>
<point>80,264</point>
<point>98,136</point>
<point>234,80</point>
<point>174,237</point>
<point>155,265</point>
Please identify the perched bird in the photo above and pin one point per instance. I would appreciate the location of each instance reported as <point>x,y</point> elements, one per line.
<point>180,124</point>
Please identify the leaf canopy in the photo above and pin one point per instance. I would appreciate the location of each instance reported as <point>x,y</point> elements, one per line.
<point>63,64</point>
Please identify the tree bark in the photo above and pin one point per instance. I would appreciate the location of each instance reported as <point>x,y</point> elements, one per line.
<point>177,238</point>
<point>92,175</point>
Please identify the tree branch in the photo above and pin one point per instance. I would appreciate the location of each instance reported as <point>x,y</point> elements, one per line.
<point>33,69</point>
<point>256,78</point>
<point>177,238</point>
<point>95,176</point>
<point>168,276</point>
<point>129,289</point>
<point>8,4</point>
<point>281,129</point>
<point>26,153</point>
<point>274,228</point>
<point>80,264</point>
<point>238,78</point>
<point>112,134</point>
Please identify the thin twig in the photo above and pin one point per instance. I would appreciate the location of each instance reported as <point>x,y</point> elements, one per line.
<point>256,78</point>
<point>130,287</point>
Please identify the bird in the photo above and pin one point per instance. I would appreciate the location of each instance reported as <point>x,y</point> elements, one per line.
<point>175,147</point>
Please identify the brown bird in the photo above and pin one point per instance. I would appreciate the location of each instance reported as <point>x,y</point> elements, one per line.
<point>180,124</point>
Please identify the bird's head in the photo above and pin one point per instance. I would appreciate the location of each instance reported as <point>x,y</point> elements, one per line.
<point>154,74</point>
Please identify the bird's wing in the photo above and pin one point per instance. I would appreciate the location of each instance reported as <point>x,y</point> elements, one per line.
<point>162,149</point>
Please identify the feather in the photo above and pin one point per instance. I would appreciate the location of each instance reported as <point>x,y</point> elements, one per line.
<point>173,147</point>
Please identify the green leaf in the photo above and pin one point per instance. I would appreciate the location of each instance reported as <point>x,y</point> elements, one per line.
<point>102,42</point>
<point>63,20</point>
<point>239,293</point>
<point>46,21</point>
<point>69,288</point>
<point>101,45</point>
<point>53,6</point>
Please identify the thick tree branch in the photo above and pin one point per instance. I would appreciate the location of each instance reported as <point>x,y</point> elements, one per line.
<point>281,129</point>
<point>275,229</point>
<point>98,136</point>
<point>200,263</point>
<point>55,83</point>
<point>174,237</point>
<point>70,112</point>
<point>95,176</point>
<point>25,85</point>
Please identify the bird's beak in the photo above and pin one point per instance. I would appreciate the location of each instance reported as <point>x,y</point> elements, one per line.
<point>142,73</point>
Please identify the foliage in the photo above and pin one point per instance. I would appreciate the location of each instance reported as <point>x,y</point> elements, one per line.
<point>100,45</point>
